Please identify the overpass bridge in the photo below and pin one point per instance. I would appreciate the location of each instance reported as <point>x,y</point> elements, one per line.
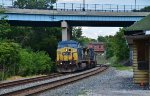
<point>69,18</point>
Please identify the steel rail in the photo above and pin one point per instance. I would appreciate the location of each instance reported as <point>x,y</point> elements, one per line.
<point>50,85</point>
<point>29,80</point>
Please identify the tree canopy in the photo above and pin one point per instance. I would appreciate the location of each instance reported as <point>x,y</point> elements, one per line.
<point>34,4</point>
<point>77,36</point>
<point>116,46</point>
<point>145,9</point>
<point>27,50</point>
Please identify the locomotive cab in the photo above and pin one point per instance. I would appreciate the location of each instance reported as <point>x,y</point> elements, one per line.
<point>71,57</point>
<point>67,56</point>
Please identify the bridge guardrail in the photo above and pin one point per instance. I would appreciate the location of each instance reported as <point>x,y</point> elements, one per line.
<point>91,7</point>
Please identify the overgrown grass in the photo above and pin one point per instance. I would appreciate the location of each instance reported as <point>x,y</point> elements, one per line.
<point>113,63</point>
<point>21,77</point>
<point>121,67</point>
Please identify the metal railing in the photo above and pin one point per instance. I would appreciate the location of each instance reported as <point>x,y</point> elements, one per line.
<point>90,7</point>
<point>98,7</point>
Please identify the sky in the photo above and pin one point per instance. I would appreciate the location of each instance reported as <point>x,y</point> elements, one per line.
<point>94,32</point>
<point>126,2</point>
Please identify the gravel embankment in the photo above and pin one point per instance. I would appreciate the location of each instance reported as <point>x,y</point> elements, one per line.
<point>110,83</point>
<point>11,89</point>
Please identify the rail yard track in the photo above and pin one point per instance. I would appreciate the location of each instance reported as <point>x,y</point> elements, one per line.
<point>57,81</point>
<point>25,81</point>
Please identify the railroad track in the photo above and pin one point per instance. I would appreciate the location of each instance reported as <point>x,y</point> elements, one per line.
<point>25,81</point>
<point>62,80</point>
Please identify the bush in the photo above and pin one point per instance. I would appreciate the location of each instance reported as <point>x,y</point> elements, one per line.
<point>9,57</point>
<point>17,61</point>
<point>32,63</point>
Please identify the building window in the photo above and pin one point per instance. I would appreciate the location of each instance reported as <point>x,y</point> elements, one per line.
<point>142,55</point>
<point>100,46</point>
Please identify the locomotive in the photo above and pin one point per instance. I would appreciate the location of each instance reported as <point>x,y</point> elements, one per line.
<point>72,57</point>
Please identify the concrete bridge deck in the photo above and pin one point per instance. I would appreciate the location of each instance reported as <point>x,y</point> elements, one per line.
<point>67,19</point>
<point>75,13</point>
<point>53,18</point>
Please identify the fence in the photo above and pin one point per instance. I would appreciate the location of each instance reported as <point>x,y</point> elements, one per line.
<point>87,7</point>
<point>97,7</point>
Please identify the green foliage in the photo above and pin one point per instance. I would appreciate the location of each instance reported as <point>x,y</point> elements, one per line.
<point>77,36</point>
<point>121,49</point>
<point>4,27</point>
<point>116,46</point>
<point>17,61</point>
<point>145,9</point>
<point>32,63</point>
<point>101,39</point>
<point>14,60</point>
<point>34,4</point>
<point>38,39</point>
<point>118,66</point>
<point>76,33</point>
<point>109,46</point>
<point>84,41</point>
<point>9,57</point>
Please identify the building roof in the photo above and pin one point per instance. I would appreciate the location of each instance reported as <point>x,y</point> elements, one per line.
<point>141,25</point>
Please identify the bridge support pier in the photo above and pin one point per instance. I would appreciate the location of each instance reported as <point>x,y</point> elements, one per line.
<point>66,31</point>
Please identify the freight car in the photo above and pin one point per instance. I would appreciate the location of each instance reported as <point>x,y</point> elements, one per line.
<point>72,57</point>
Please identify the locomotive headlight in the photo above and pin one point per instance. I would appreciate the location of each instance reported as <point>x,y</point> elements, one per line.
<point>66,49</point>
<point>61,63</point>
<point>70,63</point>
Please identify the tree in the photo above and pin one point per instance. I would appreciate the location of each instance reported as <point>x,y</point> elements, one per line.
<point>38,39</point>
<point>39,44</point>
<point>116,46</point>
<point>101,39</point>
<point>9,57</point>
<point>34,4</point>
<point>45,39</point>
<point>20,3</point>
<point>76,33</point>
<point>77,36</point>
<point>109,43</point>
<point>4,26</point>
<point>121,49</point>
<point>145,9</point>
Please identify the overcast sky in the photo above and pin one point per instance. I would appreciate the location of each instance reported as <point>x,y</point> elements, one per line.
<point>126,2</point>
<point>94,32</point>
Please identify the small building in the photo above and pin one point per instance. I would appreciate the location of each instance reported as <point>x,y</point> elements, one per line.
<point>138,38</point>
<point>97,46</point>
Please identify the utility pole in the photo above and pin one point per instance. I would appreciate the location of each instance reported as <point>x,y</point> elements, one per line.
<point>135,4</point>
<point>12,2</point>
<point>2,3</point>
<point>83,5</point>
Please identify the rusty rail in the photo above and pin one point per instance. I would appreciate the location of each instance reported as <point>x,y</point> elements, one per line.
<point>25,81</point>
<point>40,88</point>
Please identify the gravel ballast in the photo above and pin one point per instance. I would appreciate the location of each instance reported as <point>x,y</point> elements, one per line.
<point>15,88</point>
<point>112,82</point>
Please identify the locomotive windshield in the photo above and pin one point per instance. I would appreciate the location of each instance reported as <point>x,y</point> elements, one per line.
<point>67,45</point>
<point>72,44</point>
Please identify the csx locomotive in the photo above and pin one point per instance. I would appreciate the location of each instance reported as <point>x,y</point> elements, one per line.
<point>72,57</point>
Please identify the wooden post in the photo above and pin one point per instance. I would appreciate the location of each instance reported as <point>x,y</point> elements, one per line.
<point>149,61</point>
<point>134,62</point>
